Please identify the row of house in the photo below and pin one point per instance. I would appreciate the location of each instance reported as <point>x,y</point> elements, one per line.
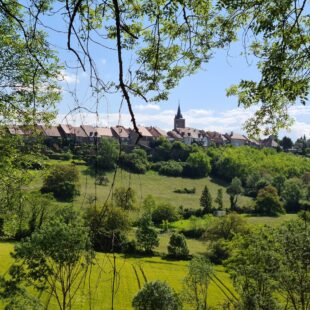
<point>87,133</point>
<point>188,135</point>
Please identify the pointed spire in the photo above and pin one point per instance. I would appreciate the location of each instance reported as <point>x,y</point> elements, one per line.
<point>179,114</point>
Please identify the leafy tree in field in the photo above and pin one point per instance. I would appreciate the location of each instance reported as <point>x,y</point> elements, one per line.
<point>234,190</point>
<point>286,143</point>
<point>197,165</point>
<point>146,234</point>
<point>177,247</point>
<point>268,202</point>
<point>54,260</point>
<point>278,183</point>
<point>156,295</point>
<point>108,230</point>
<point>135,161</point>
<point>197,281</point>
<point>252,270</point>
<point>149,204</point>
<point>171,168</point>
<point>292,193</point>
<point>125,198</point>
<point>219,199</point>
<point>206,200</point>
<point>164,212</point>
<point>104,155</point>
<point>62,181</point>
<point>293,274</point>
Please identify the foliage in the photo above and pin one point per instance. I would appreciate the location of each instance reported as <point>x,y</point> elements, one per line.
<point>219,199</point>
<point>177,247</point>
<point>268,202</point>
<point>149,204</point>
<point>156,295</point>
<point>124,198</point>
<point>62,181</point>
<point>57,268</point>
<point>197,165</point>
<point>171,168</point>
<point>286,143</point>
<point>104,155</point>
<point>164,212</point>
<point>234,190</point>
<point>197,281</point>
<point>146,234</point>
<point>230,162</point>
<point>206,200</point>
<point>292,193</point>
<point>185,190</point>
<point>277,36</point>
<point>226,227</point>
<point>108,229</point>
<point>29,69</point>
<point>135,161</point>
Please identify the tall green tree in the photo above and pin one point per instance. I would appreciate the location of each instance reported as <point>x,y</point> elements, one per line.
<point>177,247</point>
<point>147,237</point>
<point>219,199</point>
<point>268,202</point>
<point>206,200</point>
<point>197,281</point>
<point>234,190</point>
<point>55,260</point>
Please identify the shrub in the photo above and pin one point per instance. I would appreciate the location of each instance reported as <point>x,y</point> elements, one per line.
<point>268,202</point>
<point>125,198</point>
<point>62,181</point>
<point>292,193</point>
<point>164,212</point>
<point>177,247</point>
<point>156,295</point>
<point>171,168</point>
<point>197,165</point>
<point>135,161</point>
<point>185,190</point>
<point>147,237</point>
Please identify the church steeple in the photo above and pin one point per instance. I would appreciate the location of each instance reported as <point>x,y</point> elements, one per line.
<point>179,114</point>
<point>179,121</point>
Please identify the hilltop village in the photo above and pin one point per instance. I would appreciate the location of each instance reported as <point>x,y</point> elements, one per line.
<point>87,133</point>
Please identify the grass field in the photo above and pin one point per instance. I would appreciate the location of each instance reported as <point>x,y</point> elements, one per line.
<point>128,280</point>
<point>161,187</point>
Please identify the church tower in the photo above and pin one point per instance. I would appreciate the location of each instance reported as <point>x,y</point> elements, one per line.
<point>179,121</point>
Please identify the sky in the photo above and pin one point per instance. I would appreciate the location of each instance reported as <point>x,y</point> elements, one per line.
<point>202,96</point>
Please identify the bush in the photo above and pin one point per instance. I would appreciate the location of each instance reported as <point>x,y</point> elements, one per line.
<point>125,198</point>
<point>136,161</point>
<point>268,202</point>
<point>171,168</point>
<point>62,181</point>
<point>292,193</point>
<point>156,295</point>
<point>218,251</point>
<point>197,165</point>
<point>185,190</point>
<point>177,247</point>
<point>164,212</point>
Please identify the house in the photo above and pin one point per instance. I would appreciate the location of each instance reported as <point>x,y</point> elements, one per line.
<point>104,132</point>
<point>216,138</point>
<point>120,133</point>
<point>145,139</point>
<point>173,135</point>
<point>270,142</point>
<point>157,132</point>
<point>74,134</point>
<point>236,139</point>
<point>51,132</point>
<point>15,130</point>
<point>193,135</point>
<point>90,131</point>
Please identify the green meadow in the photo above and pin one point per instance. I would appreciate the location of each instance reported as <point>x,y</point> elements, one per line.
<point>96,291</point>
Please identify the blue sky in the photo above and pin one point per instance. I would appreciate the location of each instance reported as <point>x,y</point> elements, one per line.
<point>202,96</point>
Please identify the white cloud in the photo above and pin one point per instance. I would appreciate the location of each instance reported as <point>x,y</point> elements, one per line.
<point>69,78</point>
<point>145,107</point>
